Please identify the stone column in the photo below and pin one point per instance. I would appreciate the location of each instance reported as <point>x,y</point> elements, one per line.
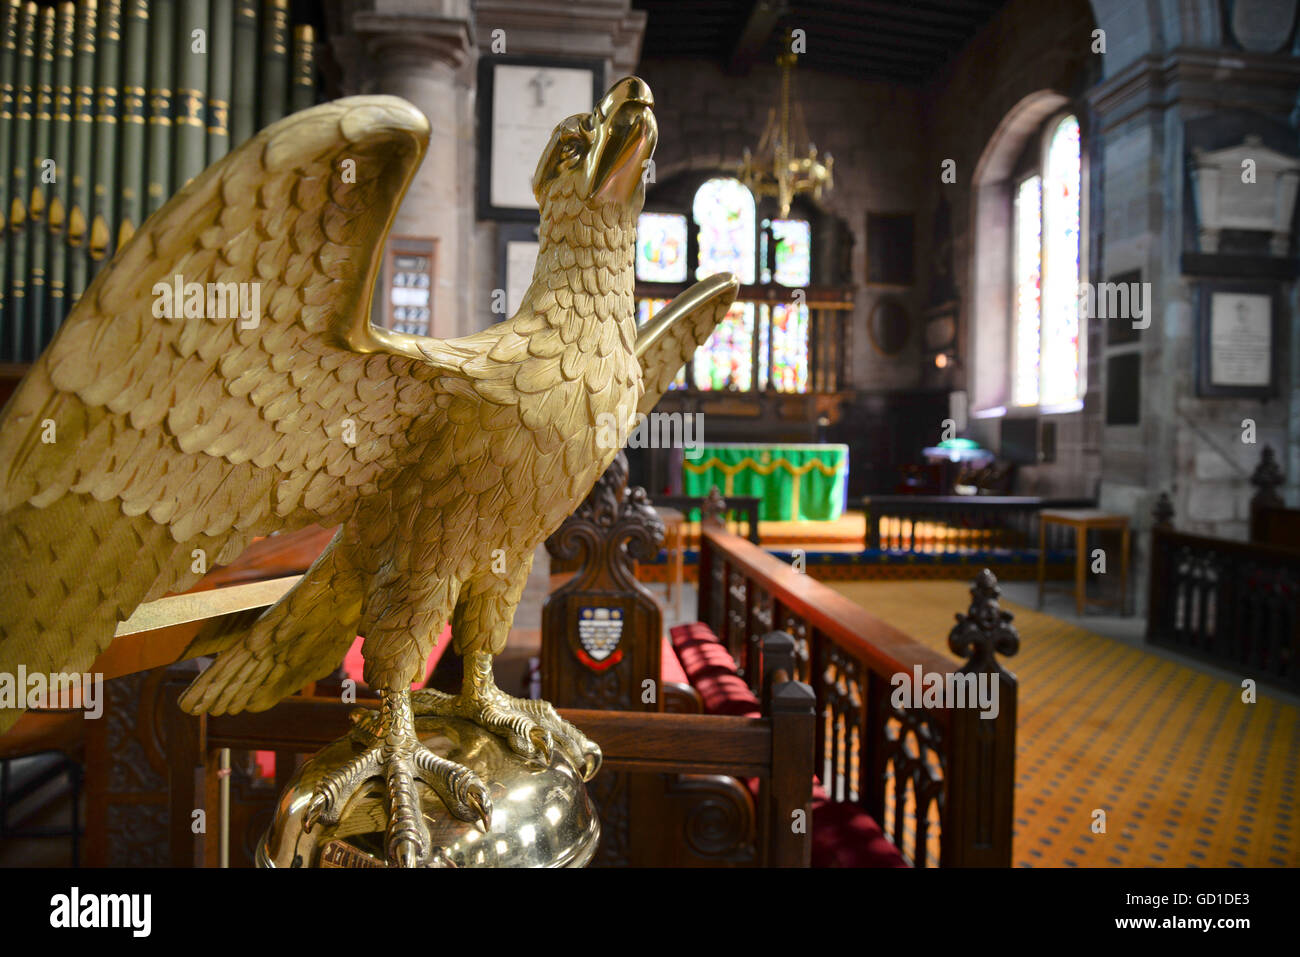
<point>424,52</point>
<point>1172,84</point>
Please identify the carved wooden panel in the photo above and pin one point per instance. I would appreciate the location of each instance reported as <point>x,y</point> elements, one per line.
<point>601,629</point>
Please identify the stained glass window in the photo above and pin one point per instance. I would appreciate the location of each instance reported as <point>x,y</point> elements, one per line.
<point>1029,274</point>
<point>724,214</point>
<point>726,361</point>
<point>645,311</point>
<point>793,252</point>
<point>1060,315</point>
<point>789,348</point>
<point>661,247</point>
<point>1047,364</point>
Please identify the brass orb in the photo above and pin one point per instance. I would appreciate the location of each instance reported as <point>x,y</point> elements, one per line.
<point>541,813</point>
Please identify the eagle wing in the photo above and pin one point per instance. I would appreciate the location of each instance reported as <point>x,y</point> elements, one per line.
<point>667,341</point>
<point>141,448</point>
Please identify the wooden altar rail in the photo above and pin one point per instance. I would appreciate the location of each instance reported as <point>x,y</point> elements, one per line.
<point>737,509</point>
<point>777,749</point>
<point>942,524</point>
<point>951,771</point>
<point>1235,604</point>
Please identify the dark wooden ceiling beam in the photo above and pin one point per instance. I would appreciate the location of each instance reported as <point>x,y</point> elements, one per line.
<point>888,41</point>
<point>977,9</point>
<point>883,17</point>
<point>885,51</point>
<point>762,20</point>
<point>875,67</point>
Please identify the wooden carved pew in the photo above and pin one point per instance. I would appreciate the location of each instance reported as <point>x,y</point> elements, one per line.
<point>126,761</point>
<point>152,746</point>
<point>939,780</point>
<point>603,648</point>
<point>640,748</point>
<point>1235,604</point>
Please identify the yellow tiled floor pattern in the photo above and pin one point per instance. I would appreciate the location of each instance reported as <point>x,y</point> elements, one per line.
<point>1187,773</point>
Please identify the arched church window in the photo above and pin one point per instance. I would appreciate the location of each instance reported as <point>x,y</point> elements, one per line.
<point>724,215</point>
<point>1046,354</point>
<point>760,344</point>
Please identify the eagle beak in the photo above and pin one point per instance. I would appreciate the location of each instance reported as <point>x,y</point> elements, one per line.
<point>625,134</point>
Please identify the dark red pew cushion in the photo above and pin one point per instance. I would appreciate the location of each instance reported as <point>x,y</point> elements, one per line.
<point>844,835</point>
<point>705,659</point>
<point>728,694</point>
<point>670,668</point>
<point>692,631</point>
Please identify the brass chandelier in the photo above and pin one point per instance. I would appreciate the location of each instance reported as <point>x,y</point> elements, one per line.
<point>774,169</point>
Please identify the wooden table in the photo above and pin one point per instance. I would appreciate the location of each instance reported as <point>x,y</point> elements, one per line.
<point>1084,520</point>
<point>675,542</point>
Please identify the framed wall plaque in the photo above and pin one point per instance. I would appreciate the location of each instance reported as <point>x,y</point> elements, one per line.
<point>410,270</point>
<point>1124,388</point>
<point>516,256</point>
<point>1237,343</point>
<point>521,99</point>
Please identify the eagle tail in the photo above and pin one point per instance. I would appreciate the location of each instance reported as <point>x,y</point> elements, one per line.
<point>300,638</point>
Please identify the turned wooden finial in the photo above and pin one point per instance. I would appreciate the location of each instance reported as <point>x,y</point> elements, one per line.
<point>1266,478</point>
<point>985,629</point>
<point>1163,512</point>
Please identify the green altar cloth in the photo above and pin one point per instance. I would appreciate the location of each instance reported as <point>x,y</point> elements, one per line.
<point>793,482</point>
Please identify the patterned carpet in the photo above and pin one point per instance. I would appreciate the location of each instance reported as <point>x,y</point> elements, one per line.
<point>1187,774</point>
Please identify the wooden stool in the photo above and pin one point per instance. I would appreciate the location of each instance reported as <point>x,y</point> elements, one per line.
<point>1082,521</point>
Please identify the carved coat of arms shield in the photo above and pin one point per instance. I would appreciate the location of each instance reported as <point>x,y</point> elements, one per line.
<point>599,631</point>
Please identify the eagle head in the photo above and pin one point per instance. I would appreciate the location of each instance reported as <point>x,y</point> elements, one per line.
<point>599,158</point>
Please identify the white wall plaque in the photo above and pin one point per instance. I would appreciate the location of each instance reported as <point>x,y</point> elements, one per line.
<point>1241,339</point>
<point>521,257</point>
<point>527,102</point>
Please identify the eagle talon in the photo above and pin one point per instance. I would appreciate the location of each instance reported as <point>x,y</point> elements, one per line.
<point>533,729</point>
<point>541,740</point>
<point>396,755</point>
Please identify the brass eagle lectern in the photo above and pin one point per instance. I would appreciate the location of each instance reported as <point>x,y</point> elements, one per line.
<point>146,434</point>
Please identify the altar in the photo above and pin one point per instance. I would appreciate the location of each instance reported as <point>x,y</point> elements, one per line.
<point>792,482</point>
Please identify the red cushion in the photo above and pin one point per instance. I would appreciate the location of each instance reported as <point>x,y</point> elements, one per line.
<point>703,659</point>
<point>692,631</point>
<point>670,668</point>
<point>844,835</point>
<point>727,694</point>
